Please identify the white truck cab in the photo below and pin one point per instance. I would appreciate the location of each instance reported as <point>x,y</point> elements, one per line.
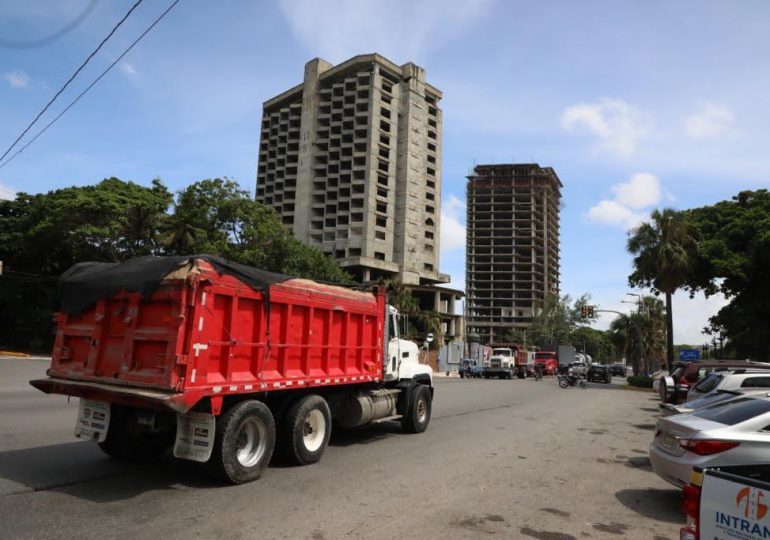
<point>502,363</point>
<point>403,355</point>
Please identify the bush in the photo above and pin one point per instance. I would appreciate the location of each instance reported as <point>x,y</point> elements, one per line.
<point>642,381</point>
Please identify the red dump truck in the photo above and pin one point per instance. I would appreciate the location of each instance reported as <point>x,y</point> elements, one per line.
<point>227,362</point>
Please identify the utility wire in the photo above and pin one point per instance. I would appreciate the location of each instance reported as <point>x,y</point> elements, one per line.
<point>118,59</point>
<point>66,84</point>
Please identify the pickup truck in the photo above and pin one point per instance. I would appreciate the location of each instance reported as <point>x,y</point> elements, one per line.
<point>727,502</point>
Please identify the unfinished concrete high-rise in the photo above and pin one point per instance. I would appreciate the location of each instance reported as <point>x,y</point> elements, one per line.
<point>351,160</point>
<point>512,259</point>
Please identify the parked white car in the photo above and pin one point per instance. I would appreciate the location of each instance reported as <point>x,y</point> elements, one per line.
<point>733,432</point>
<point>740,379</point>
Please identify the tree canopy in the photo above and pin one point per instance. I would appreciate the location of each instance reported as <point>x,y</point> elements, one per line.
<point>42,235</point>
<point>734,259</point>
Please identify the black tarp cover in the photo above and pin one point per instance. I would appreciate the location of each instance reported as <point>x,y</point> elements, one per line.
<point>85,283</point>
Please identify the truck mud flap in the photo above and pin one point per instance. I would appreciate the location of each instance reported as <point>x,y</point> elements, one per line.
<point>194,436</point>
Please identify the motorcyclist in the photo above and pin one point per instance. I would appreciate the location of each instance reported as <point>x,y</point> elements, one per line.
<point>539,371</point>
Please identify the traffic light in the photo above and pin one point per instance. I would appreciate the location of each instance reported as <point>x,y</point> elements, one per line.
<point>584,311</point>
<point>590,312</point>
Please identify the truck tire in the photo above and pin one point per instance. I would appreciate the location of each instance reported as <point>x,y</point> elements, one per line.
<point>243,443</point>
<point>306,430</point>
<point>417,414</point>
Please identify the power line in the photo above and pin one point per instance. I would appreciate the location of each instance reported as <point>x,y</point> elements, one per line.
<point>118,59</point>
<point>66,84</point>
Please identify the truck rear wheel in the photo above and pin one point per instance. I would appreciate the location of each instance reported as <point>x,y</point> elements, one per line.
<point>417,414</point>
<point>306,430</point>
<point>244,442</point>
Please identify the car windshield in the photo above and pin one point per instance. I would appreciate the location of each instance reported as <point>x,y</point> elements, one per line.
<point>735,411</point>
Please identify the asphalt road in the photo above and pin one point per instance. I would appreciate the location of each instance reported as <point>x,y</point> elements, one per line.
<point>516,459</point>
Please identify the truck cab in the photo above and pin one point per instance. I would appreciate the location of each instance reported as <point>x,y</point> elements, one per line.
<point>502,364</point>
<point>402,362</point>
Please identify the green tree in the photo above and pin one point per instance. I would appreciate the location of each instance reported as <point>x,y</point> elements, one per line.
<point>733,259</point>
<point>555,319</point>
<point>217,217</point>
<point>43,235</point>
<point>664,252</point>
<point>627,336</point>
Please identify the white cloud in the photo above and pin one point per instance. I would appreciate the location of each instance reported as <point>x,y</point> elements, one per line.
<point>710,121</point>
<point>452,228</point>
<point>403,30</point>
<point>17,79</point>
<point>6,192</point>
<point>691,315</point>
<point>614,213</point>
<point>626,209</point>
<point>618,126</point>
<point>642,190</point>
<point>127,68</point>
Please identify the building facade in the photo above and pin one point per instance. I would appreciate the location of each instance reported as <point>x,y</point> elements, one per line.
<point>512,260</point>
<point>351,160</point>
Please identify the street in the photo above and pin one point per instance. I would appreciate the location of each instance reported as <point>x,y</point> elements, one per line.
<point>516,459</point>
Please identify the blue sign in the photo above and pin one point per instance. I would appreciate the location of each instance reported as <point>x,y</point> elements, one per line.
<point>689,354</point>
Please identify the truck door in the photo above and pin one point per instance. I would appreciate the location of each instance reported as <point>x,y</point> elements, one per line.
<point>394,347</point>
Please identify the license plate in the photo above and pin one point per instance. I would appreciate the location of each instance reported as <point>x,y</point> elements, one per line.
<point>93,420</point>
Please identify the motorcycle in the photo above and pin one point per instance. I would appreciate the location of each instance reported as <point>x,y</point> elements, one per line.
<point>571,380</point>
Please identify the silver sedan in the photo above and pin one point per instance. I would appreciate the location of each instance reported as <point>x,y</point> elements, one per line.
<point>732,432</point>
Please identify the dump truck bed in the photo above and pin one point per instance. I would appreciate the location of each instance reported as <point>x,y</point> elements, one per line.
<point>207,331</point>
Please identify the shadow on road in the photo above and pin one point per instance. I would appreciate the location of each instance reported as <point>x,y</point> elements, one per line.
<point>364,435</point>
<point>80,469</point>
<point>659,504</point>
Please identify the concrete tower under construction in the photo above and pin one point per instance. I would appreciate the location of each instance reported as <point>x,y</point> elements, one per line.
<point>512,260</point>
<point>351,160</point>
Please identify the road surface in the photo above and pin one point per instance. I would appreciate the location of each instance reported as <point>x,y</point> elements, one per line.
<point>515,459</point>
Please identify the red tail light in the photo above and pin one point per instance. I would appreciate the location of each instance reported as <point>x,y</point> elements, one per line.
<point>691,509</point>
<point>683,383</point>
<point>706,447</point>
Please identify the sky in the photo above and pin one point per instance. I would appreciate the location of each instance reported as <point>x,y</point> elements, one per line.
<point>637,105</point>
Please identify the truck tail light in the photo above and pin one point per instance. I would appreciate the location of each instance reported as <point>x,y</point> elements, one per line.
<point>691,509</point>
<point>707,447</point>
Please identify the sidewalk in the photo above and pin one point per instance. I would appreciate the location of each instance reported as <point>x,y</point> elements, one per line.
<point>9,355</point>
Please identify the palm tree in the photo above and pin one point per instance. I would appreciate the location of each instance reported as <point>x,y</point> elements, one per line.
<point>663,252</point>
<point>626,334</point>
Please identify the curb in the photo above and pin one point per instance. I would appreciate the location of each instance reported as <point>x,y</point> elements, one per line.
<point>637,389</point>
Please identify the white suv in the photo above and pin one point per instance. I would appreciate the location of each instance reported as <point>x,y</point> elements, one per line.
<point>740,379</point>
